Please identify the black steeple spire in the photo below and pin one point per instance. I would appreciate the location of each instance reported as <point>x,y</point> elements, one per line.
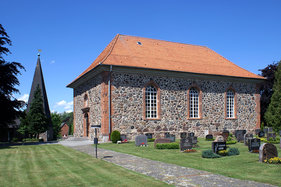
<point>38,79</point>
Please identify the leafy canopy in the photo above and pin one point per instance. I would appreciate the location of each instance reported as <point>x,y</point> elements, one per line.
<point>9,107</point>
<point>273,113</point>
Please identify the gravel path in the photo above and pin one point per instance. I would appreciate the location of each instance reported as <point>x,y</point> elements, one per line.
<point>169,173</point>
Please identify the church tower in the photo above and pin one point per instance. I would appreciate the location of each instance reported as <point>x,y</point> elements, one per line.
<point>39,80</point>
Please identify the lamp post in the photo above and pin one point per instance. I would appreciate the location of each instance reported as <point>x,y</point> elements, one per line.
<point>96,137</point>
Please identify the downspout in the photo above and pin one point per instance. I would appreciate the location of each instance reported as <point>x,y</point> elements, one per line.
<point>109,101</point>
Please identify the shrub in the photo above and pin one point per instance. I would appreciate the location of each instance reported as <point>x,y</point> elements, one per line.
<point>231,142</point>
<point>167,146</point>
<point>233,151</point>
<point>151,139</point>
<point>209,154</point>
<point>223,152</point>
<point>115,136</point>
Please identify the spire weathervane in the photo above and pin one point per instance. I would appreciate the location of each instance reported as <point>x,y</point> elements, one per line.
<point>39,51</point>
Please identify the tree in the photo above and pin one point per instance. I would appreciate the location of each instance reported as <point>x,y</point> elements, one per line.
<point>273,113</point>
<point>9,107</point>
<point>267,87</point>
<point>56,120</point>
<point>35,121</point>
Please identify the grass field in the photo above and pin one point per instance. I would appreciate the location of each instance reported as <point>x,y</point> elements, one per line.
<point>55,165</point>
<point>245,166</point>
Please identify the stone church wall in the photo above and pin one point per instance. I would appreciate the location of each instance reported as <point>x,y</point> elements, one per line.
<point>127,103</point>
<point>93,89</point>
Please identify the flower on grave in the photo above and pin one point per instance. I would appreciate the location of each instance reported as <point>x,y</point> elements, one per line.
<point>142,143</point>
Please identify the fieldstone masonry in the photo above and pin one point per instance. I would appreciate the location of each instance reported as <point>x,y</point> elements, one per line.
<point>127,105</point>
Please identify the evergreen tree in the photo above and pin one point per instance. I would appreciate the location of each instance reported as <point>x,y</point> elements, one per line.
<point>273,113</point>
<point>56,121</point>
<point>266,89</point>
<point>9,106</point>
<point>36,121</point>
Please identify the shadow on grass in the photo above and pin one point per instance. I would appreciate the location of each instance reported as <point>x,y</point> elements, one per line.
<point>10,145</point>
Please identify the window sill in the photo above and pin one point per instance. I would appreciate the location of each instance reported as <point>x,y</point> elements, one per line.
<point>189,118</point>
<point>152,119</point>
<point>231,118</point>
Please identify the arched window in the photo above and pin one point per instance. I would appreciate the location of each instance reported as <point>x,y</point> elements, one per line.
<point>151,102</point>
<point>193,103</point>
<point>230,108</point>
<point>86,101</point>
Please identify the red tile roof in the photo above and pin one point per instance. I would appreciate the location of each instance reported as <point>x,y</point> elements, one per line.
<point>131,51</point>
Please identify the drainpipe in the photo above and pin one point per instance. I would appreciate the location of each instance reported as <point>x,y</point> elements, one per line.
<point>109,101</point>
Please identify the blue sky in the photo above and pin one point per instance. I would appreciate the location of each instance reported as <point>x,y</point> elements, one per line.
<point>71,33</point>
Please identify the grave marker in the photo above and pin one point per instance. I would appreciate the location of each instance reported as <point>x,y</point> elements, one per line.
<point>209,137</point>
<point>247,137</point>
<point>172,137</point>
<point>219,139</point>
<point>239,134</point>
<point>123,137</point>
<point>271,135</point>
<point>267,151</point>
<point>225,134</point>
<point>149,135</point>
<point>183,134</point>
<point>218,146</point>
<point>141,140</point>
<point>191,134</point>
<point>161,140</point>
<point>257,131</point>
<point>261,134</point>
<point>186,143</point>
<point>254,144</point>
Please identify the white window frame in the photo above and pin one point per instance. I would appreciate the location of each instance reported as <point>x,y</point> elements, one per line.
<point>151,102</point>
<point>194,103</point>
<point>230,104</point>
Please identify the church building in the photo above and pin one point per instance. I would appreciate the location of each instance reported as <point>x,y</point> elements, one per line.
<point>140,85</point>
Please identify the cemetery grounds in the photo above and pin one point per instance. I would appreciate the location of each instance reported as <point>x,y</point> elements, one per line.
<point>245,166</point>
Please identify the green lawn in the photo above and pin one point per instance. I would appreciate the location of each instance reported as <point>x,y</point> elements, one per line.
<point>244,166</point>
<point>55,165</point>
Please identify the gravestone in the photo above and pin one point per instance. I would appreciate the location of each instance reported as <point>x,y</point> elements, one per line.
<point>141,140</point>
<point>172,137</point>
<point>267,151</point>
<point>191,134</point>
<point>270,129</point>
<point>261,134</point>
<point>161,140</point>
<point>225,134</point>
<point>183,134</point>
<point>247,137</point>
<point>123,137</point>
<point>239,134</point>
<point>218,146</point>
<point>219,139</point>
<point>194,140</point>
<point>186,143</point>
<point>209,137</point>
<point>257,131</point>
<point>149,135</point>
<point>254,144</point>
<point>265,130</point>
<point>271,135</point>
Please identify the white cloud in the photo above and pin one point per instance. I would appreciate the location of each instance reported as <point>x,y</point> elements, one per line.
<point>24,97</point>
<point>61,103</point>
<point>52,62</point>
<point>68,111</point>
<point>67,106</point>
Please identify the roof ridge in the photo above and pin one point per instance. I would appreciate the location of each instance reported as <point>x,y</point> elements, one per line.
<point>232,62</point>
<point>163,40</point>
<point>111,49</point>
